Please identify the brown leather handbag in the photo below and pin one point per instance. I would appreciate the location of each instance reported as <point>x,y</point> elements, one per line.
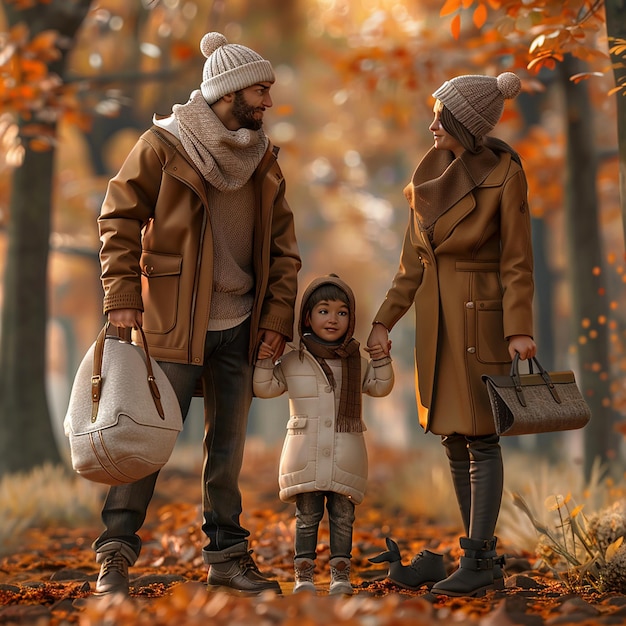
<point>537,402</point>
<point>123,417</point>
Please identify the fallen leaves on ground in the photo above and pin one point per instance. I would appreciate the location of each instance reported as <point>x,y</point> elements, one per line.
<point>48,580</point>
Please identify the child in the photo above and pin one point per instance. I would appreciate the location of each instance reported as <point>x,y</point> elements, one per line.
<point>324,458</point>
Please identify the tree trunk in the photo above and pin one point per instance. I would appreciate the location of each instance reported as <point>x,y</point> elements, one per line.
<point>546,444</point>
<point>584,256</point>
<point>616,29</point>
<point>26,435</point>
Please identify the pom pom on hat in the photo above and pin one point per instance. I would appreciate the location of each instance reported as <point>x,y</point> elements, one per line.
<point>509,85</point>
<point>478,101</point>
<point>230,67</point>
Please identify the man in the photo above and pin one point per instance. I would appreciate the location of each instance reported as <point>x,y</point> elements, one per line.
<point>199,248</point>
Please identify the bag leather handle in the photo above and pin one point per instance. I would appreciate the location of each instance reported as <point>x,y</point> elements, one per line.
<point>515,377</point>
<point>96,376</point>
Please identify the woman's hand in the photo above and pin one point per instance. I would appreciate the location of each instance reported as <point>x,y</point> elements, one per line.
<point>522,344</point>
<point>376,352</point>
<point>378,339</point>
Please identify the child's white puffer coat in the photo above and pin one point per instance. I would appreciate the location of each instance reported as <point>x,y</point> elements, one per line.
<point>314,456</point>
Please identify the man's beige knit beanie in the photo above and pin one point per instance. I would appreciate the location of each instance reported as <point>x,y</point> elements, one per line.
<point>230,67</point>
<point>478,101</point>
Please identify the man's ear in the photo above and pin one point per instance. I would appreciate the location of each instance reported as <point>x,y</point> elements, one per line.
<point>228,97</point>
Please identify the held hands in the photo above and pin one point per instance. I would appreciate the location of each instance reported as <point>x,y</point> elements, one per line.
<point>524,345</point>
<point>265,351</point>
<point>376,352</point>
<point>378,344</point>
<point>271,345</point>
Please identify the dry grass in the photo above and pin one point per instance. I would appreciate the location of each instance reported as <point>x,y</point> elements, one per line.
<point>419,482</point>
<point>46,496</point>
<point>416,481</point>
<point>537,482</point>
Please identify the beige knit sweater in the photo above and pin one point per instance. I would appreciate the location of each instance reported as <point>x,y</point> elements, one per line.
<point>232,221</point>
<point>227,161</point>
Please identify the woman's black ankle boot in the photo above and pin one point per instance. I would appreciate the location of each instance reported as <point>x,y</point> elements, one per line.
<point>475,574</point>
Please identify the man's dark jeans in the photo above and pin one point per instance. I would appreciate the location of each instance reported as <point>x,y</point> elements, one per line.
<point>227,382</point>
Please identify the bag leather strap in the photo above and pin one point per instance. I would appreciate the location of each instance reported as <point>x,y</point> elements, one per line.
<point>96,377</point>
<point>517,381</point>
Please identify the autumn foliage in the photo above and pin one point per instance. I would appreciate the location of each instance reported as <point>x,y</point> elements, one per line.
<point>47,577</point>
<point>553,28</point>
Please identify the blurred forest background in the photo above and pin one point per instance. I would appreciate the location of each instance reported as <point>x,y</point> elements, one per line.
<point>80,81</point>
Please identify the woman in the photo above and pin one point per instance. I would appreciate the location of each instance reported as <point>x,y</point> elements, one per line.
<point>466,265</point>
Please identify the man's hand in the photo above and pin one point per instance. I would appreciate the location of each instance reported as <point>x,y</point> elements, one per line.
<point>271,344</point>
<point>265,351</point>
<point>126,318</point>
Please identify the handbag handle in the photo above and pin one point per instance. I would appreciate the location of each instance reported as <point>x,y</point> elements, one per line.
<point>96,376</point>
<point>515,376</point>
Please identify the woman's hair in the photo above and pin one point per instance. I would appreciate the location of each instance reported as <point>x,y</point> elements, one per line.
<point>471,142</point>
<point>328,292</point>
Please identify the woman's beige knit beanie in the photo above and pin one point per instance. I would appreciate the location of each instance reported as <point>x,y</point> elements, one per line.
<point>230,67</point>
<point>478,101</point>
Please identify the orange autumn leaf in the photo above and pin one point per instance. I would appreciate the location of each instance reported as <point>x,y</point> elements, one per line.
<point>615,90</point>
<point>19,33</point>
<point>34,69</point>
<point>25,92</point>
<point>44,45</point>
<point>480,15</point>
<point>455,26</point>
<point>450,7</point>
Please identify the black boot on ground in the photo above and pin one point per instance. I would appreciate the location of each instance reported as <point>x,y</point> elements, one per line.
<point>478,460</point>
<point>475,575</point>
<point>498,566</point>
<point>114,558</point>
<point>234,568</point>
<point>425,569</point>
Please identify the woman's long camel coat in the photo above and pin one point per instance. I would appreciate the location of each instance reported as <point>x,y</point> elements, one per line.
<point>472,288</point>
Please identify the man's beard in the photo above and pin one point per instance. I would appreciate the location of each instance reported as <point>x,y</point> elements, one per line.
<point>244,113</point>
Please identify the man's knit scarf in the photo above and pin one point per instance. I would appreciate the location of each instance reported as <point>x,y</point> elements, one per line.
<point>349,416</point>
<point>226,158</point>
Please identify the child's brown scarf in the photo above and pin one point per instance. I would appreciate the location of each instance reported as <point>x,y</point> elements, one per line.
<point>349,416</point>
